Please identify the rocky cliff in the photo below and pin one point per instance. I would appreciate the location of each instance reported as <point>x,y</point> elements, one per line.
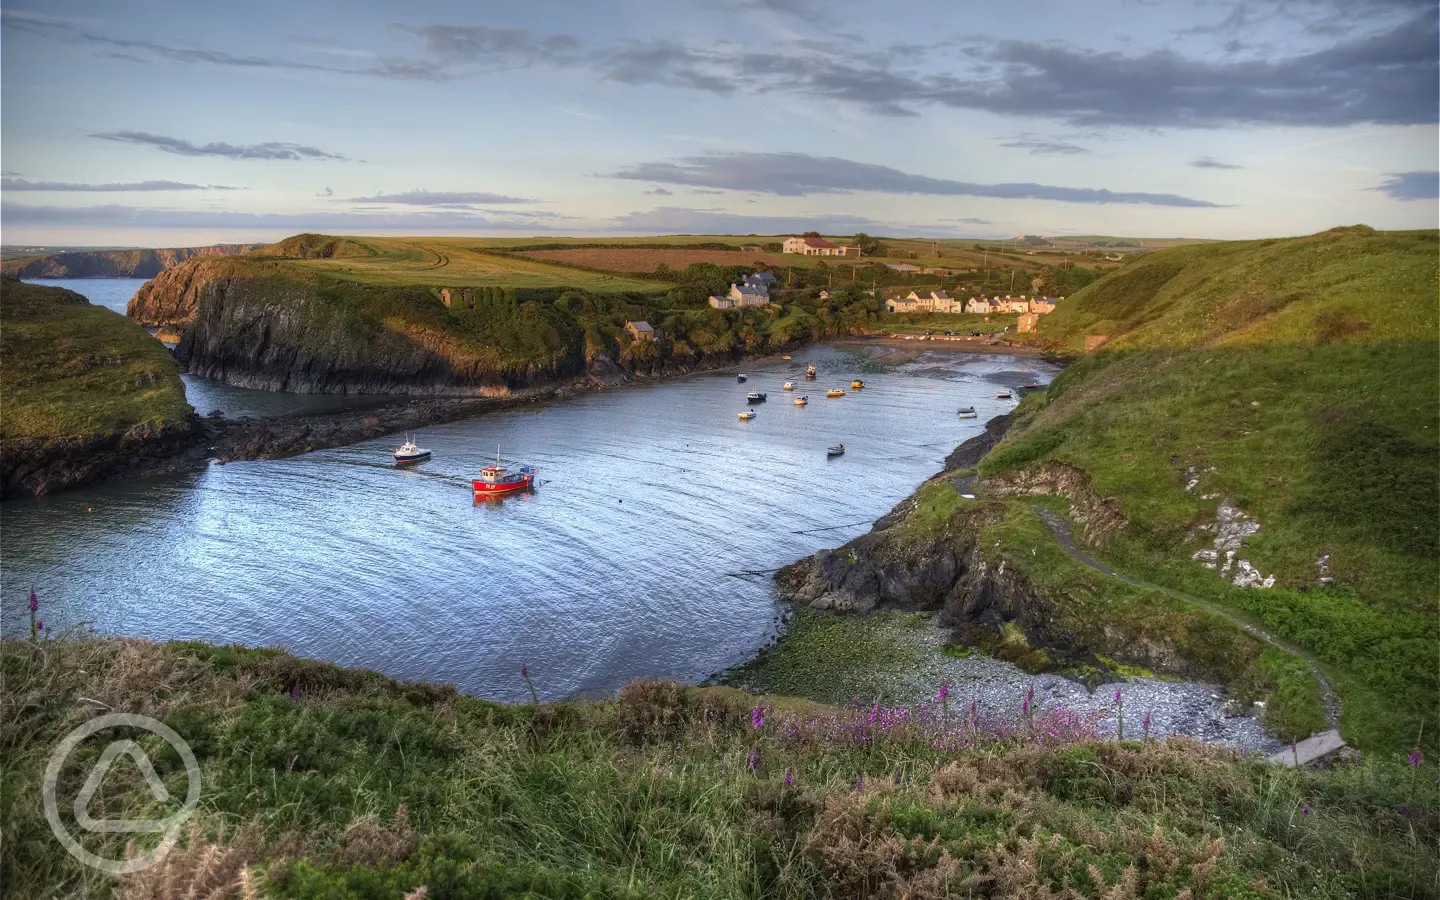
<point>116,263</point>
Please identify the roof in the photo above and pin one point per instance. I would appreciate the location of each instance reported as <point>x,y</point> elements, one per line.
<point>902,267</point>
<point>766,277</point>
<point>815,242</point>
<point>639,326</point>
<point>750,289</point>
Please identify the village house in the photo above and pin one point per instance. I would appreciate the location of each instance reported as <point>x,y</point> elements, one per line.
<point>977,306</point>
<point>1043,305</point>
<point>761,279</point>
<point>903,268</point>
<point>813,246</point>
<point>640,331</point>
<point>722,302</point>
<point>900,304</point>
<point>1009,304</point>
<point>749,295</point>
<point>1027,322</point>
<point>932,301</point>
<point>825,295</point>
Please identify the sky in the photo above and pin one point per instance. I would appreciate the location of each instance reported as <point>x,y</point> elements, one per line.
<point>158,123</point>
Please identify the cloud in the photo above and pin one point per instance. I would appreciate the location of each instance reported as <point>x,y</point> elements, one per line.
<point>679,220</point>
<point>181,147</point>
<point>1411,186</point>
<point>968,221</point>
<point>327,192</point>
<point>1037,144</point>
<point>659,192</point>
<point>441,198</point>
<point>800,174</point>
<point>20,184</point>
<point>1206,162</point>
<point>118,215</point>
<point>9,174</point>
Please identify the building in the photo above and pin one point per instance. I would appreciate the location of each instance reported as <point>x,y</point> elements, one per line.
<point>813,246</point>
<point>1043,305</point>
<point>751,248</point>
<point>977,306</point>
<point>900,305</point>
<point>722,302</point>
<point>640,331</point>
<point>749,295</point>
<point>1008,304</point>
<point>761,279</point>
<point>932,301</point>
<point>1027,322</point>
<point>904,268</point>
<point>825,295</point>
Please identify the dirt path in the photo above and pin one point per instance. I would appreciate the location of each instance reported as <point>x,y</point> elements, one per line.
<point>1059,526</point>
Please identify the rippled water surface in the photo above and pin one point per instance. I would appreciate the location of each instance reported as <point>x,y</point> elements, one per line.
<point>621,564</point>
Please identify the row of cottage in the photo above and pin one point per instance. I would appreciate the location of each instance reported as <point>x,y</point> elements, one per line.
<point>941,302</point>
<point>754,291</point>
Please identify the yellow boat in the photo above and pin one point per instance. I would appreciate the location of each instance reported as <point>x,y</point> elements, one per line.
<point>834,392</point>
<point>857,384</point>
<point>801,401</point>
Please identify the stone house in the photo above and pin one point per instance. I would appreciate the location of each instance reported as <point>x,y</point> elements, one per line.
<point>720,302</point>
<point>749,295</point>
<point>640,331</point>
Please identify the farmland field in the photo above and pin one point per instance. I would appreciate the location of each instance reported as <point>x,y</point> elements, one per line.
<point>634,259</point>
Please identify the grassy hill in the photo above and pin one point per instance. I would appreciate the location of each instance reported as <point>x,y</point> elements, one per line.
<point>1287,390</point>
<point>325,782</point>
<point>74,371</point>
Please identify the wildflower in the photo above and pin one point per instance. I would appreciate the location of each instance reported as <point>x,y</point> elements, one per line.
<point>788,779</point>
<point>1416,758</point>
<point>898,776</point>
<point>1145,724</point>
<point>1305,811</point>
<point>944,692</point>
<point>39,626</point>
<point>1117,695</point>
<point>753,763</point>
<point>525,674</point>
<point>874,711</point>
<point>757,718</point>
<point>34,601</point>
<point>859,785</point>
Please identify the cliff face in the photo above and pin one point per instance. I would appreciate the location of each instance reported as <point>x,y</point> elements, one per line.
<point>116,263</point>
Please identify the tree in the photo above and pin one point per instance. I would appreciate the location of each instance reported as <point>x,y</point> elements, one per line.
<point>814,234</point>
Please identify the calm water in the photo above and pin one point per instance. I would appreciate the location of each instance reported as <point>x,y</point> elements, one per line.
<point>617,566</point>
<point>111,293</point>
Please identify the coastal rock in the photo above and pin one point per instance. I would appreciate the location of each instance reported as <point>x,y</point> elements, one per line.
<point>1098,516</point>
<point>116,263</point>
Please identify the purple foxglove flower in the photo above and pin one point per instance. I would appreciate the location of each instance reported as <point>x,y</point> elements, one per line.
<point>753,763</point>
<point>757,717</point>
<point>34,601</point>
<point>859,785</point>
<point>788,779</point>
<point>1117,695</point>
<point>39,626</point>
<point>1305,811</point>
<point>1416,759</point>
<point>944,691</point>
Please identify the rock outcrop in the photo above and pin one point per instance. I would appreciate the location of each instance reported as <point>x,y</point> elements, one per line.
<point>1098,516</point>
<point>116,263</point>
<point>33,467</point>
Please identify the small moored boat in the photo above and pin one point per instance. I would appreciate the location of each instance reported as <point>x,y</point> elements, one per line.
<point>967,412</point>
<point>1033,386</point>
<point>786,358</point>
<point>801,401</point>
<point>497,480</point>
<point>410,453</point>
<point>740,378</point>
<point>834,392</point>
<point>755,397</point>
<point>857,384</point>
<point>811,372</point>
<point>1004,395</point>
<point>789,385</point>
<point>747,415</point>
<point>837,450</point>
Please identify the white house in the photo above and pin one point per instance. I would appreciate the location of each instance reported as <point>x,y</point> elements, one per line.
<point>722,302</point>
<point>978,306</point>
<point>905,268</point>
<point>749,295</point>
<point>900,304</point>
<point>932,301</point>
<point>813,246</point>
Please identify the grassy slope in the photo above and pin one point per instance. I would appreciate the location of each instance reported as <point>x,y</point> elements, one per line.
<point>358,787</point>
<point>73,370</point>
<point>1298,378</point>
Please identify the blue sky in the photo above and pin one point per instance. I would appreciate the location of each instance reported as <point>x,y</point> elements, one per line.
<point>167,123</point>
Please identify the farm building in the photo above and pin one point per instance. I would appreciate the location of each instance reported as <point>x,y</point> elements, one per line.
<point>640,331</point>
<point>720,302</point>
<point>903,268</point>
<point>813,246</point>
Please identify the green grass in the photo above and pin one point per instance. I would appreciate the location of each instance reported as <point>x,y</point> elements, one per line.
<point>330,782</point>
<point>72,370</point>
<point>1297,379</point>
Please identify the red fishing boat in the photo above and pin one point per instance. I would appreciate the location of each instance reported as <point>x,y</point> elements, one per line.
<point>497,480</point>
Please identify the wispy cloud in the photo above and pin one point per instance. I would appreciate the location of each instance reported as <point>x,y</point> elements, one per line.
<point>119,215</point>
<point>1043,145</point>
<point>1385,76</point>
<point>659,192</point>
<point>1411,186</point>
<point>1206,162</point>
<point>20,184</point>
<point>800,174</point>
<point>441,198</point>
<point>182,147</point>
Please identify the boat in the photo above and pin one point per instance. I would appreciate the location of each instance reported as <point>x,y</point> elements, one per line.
<point>1004,395</point>
<point>967,412</point>
<point>755,397</point>
<point>834,392</point>
<point>497,480</point>
<point>1033,386</point>
<point>740,378</point>
<point>410,453</point>
<point>837,450</point>
<point>786,358</point>
<point>857,384</point>
<point>747,415</point>
<point>801,400</point>
<point>789,385</point>
<point>810,372</point>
